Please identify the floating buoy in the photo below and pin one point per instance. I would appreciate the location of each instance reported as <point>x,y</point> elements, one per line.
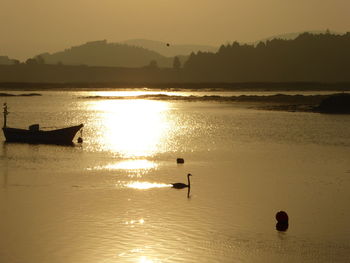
<point>282,217</point>
<point>180,160</point>
<point>282,221</point>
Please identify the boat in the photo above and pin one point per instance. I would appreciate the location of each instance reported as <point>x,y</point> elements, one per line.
<point>34,135</point>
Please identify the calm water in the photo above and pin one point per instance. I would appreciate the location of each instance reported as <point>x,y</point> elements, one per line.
<point>109,200</point>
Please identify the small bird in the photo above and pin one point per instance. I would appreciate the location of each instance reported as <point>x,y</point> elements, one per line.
<point>182,185</point>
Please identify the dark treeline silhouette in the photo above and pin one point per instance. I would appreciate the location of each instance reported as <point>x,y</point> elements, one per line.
<point>175,86</point>
<point>318,58</point>
<point>5,60</point>
<point>309,57</point>
<point>44,73</point>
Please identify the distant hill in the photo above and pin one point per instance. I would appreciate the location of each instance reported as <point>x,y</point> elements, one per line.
<point>101,53</point>
<point>321,58</point>
<point>170,50</point>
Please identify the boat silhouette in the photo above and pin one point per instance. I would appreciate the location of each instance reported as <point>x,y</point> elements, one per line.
<point>34,135</point>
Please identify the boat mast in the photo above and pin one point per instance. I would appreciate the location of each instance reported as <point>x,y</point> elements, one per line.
<point>5,114</point>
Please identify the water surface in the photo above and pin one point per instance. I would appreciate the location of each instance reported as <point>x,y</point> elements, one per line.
<point>110,200</point>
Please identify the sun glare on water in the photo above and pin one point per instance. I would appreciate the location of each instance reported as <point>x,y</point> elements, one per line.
<point>146,185</point>
<point>129,93</point>
<point>128,165</point>
<point>145,260</point>
<point>131,128</point>
<point>132,165</point>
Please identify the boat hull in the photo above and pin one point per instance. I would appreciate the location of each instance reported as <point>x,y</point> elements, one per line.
<point>59,136</point>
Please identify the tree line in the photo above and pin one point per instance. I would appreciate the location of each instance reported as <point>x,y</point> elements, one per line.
<point>309,57</point>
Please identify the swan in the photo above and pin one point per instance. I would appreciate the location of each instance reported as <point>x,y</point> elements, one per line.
<point>182,185</point>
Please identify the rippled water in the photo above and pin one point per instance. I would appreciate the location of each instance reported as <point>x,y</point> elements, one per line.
<point>110,200</point>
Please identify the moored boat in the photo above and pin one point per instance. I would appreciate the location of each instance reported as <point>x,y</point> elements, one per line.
<point>35,135</point>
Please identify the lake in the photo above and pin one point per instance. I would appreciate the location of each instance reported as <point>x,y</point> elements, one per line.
<point>109,199</point>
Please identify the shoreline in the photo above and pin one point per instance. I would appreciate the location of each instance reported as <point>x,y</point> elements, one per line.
<point>340,101</point>
<point>178,86</point>
<point>278,102</point>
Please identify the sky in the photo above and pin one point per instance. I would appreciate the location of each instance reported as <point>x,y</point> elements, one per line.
<point>31,27</point>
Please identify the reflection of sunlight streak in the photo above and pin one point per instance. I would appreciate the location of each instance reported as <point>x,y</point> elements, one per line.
<point>128,165</point>
<point>146,185</point>
<point>138,255</point>
<point>131,127</point>
<point>133,164</point>
<point>145,260</point>
<point>128,93</point>
<point>132,222</point>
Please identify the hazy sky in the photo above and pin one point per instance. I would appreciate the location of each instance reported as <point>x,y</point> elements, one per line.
<point>30,27</point>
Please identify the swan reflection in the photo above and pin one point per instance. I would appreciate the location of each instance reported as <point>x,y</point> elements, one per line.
<point>148,185</point>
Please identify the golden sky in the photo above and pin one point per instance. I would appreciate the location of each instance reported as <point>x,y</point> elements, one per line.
<point>30,27</point>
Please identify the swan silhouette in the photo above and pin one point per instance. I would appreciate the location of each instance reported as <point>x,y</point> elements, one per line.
<point>182,185</point>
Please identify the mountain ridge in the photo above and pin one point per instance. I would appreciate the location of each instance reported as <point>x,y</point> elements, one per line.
<point>137,52</point>
<point>103,53</point>
<point>170,49</point>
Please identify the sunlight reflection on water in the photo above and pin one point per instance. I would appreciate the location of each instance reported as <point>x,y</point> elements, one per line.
<point>108,200</point>
<point>145,260</point>
<point>131,128</point>
<point>146,185</point>
<point>132,222</point>
<point>128,165</point>
<point>132,93</point>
